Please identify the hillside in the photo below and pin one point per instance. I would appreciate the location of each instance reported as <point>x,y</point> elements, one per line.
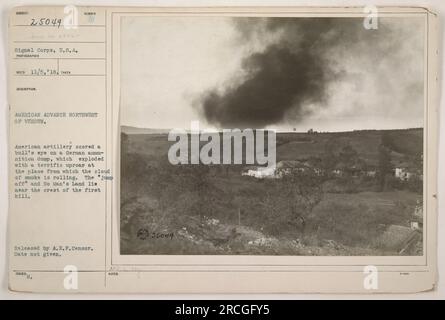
<point>291,146</point>
<point>217,210</point>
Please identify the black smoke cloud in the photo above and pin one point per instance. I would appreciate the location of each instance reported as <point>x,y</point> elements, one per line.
<point>288,75</point>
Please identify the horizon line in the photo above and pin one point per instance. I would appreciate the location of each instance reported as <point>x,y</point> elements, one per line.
<point>264,129</point>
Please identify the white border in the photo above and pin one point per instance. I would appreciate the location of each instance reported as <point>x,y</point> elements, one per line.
<point>437,6</point>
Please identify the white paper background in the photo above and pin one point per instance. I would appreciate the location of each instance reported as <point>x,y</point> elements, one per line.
<point>437,6</point>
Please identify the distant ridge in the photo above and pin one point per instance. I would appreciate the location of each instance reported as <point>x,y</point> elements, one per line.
<point>136,130</point>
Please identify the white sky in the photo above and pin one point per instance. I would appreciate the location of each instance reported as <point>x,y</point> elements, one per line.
<point>167,63</point>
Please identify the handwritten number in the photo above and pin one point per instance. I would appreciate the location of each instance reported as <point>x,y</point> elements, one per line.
<point>56,22</point>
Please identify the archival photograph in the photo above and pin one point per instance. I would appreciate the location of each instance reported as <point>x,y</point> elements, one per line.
<point>278,136</point>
